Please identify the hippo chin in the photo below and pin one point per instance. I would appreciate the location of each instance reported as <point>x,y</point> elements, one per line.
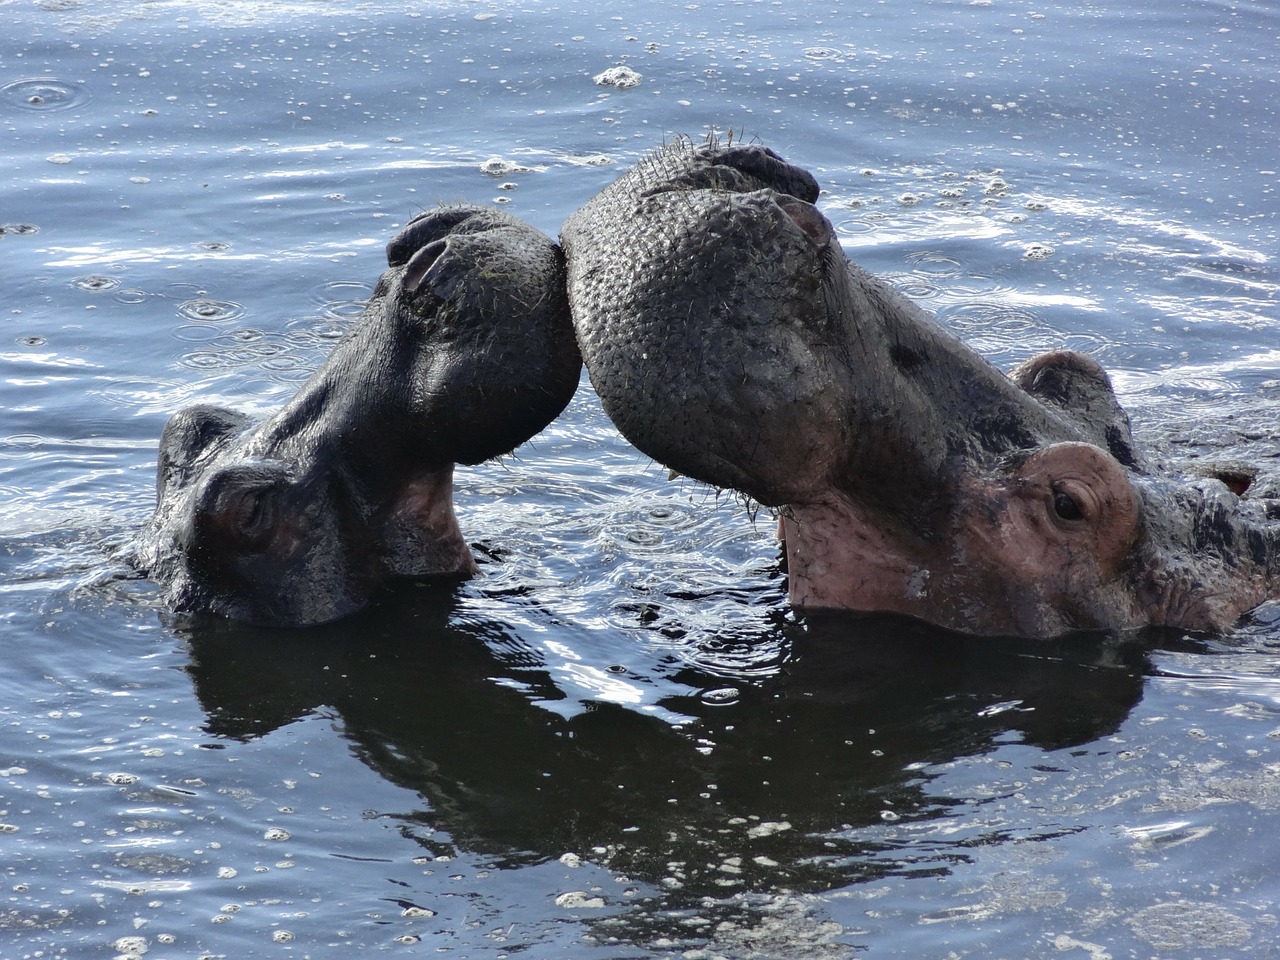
<point>730,338</point>
<point>464,351</point>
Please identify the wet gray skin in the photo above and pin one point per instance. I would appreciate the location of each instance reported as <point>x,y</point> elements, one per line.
<point>730,339</point>
<point>464,351</point>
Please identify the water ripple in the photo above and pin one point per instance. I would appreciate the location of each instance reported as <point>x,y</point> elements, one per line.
<point>342,299</point>
<point>208,310</point>
<point>45,94</point>
<point>95,283</point>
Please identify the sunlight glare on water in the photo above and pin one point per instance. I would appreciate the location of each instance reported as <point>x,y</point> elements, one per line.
<point>619,741</point>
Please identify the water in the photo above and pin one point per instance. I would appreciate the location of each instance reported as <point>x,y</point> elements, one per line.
<point>619,743</point>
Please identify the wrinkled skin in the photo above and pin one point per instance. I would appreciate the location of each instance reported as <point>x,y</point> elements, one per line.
<point>730,338</point>
<point>464,351</point>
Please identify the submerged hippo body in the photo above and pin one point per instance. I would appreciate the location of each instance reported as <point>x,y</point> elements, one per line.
<point>731,339</point>
<point>464,351</point>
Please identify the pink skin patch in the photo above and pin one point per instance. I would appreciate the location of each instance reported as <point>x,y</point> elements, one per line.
<point>422,533</point>
<point>1037,552</point>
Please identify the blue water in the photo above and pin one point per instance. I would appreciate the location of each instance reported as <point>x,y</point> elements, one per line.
<point>619,743</point>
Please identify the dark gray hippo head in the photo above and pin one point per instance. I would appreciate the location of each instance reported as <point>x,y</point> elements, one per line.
<point>464,351</point>
<point>731,339</point>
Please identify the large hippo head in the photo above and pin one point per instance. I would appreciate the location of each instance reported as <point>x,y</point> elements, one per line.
<point>464,351</point>
<point>731,339</point>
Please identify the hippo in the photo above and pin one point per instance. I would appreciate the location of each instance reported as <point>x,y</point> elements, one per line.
<point>730,338</point>
<point>464,351</point>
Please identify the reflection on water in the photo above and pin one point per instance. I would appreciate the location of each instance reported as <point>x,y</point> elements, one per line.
<point>766,790</point>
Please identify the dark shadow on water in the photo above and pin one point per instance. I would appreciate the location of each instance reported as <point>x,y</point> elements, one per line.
<point>771,791</point>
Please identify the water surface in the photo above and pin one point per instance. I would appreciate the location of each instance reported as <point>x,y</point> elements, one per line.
<point>620,742</point>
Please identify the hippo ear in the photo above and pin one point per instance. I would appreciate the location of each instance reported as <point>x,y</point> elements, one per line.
<point>239,506</point>
<point>187,436</point>
<point>1085,496</point>
<point>1076,384</point>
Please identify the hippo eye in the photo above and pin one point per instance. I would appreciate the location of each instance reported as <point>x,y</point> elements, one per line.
<point>1065,506</point>
<point>255,513</point>
<point>239,505</point>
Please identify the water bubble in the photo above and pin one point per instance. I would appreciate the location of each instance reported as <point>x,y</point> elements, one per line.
<point>498,167</point>
<point>130,946</point>
<point>644,538</point>
<point>578,900</point>
<point>45,94</point>
<point>276,833</point>
<point>95,283</point>
<point>316,332</point>
<point>210,310</point>
<point>206,361</point>
<point>824,53</point>
<point>720,697</point>
<point>622,77</point>
<point>19,229</point>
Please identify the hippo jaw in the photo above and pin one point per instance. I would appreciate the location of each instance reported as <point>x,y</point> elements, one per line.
<point>262,543</point>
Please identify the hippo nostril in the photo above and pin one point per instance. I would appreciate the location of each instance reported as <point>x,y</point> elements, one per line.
<point>420,264</point>
<point>808,219</point>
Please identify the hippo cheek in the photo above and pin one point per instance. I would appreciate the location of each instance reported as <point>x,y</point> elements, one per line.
<point>265,548</point>
<point>1051,543</point>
